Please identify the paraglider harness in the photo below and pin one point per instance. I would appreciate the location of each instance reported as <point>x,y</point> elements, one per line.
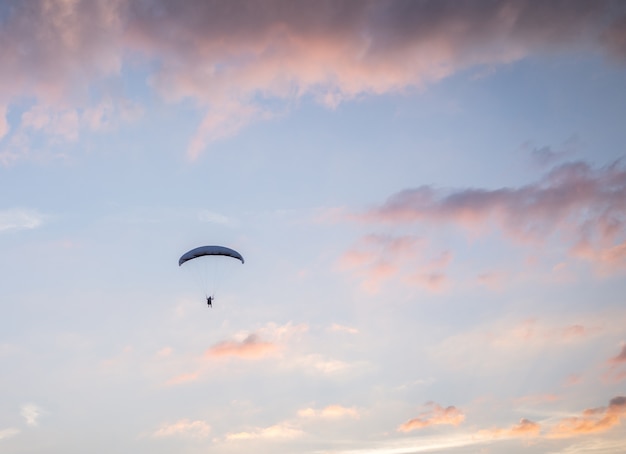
<point>209,301</point>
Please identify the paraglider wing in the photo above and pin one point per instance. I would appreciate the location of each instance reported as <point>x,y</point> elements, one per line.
<point>209,250</point>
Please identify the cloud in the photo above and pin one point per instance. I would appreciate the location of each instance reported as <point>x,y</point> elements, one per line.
<point>321,364</point>
<point>336,327</point>
<point>585,207</point>
<point>20,219</point>
<point>250,348</point>
<point>4,125</point>
<point>183,378</point>
<point>616,367</point>
<point>329,412</point>
<point>253,65</point>
<point>213,218</point>
<point>510,343</point>
<point>620,358</point>
<point>58,123</point>
<point>184,428</point>
<point>278,431</point>
<point>8,433</point>
<point>435,416</point>
<point>525,428</point>
<point>592,420</point>
<point>377,259</point>
<point>31,413</point>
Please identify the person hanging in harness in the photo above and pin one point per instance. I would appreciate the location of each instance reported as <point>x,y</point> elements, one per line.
<point>209,301</point>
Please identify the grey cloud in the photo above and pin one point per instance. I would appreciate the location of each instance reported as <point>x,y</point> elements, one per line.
<point>227,54</point>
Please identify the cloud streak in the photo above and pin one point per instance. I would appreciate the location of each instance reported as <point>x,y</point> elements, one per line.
<point>249,348</point>
<point>20,219</point>
<point>275,432</point>
<point>8,433</point>
<point>183,428</point>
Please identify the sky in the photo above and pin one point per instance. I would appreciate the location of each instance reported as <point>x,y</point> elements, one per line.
<point>430,197</point>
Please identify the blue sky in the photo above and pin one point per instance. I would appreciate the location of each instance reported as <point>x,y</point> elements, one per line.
<point>430,198</point>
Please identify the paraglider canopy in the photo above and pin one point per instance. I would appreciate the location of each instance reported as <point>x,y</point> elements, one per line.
<point>209,250</point>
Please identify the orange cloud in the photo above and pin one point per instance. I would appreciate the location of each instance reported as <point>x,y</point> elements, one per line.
<point>436,416</point>
<point>251,348</point>
<point>525,428</point>
<point>592,420</point>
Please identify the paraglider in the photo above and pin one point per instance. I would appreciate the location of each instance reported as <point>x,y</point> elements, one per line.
<point>207,262</point>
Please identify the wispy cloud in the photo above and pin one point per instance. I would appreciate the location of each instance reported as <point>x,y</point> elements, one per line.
<point>4,125</point>
<point>525,428</point>
<point>378,259</point>
<point>213,217</point>
<point>436,415</point>
<point>183,428</point>
<point>592,420</point>
<point>20,219</point>
<point>329,412</point>
<point>616,367</point>
<point>321,364</point>
<point>620,358</point>
<point>277,431</point>
<point>507,343</point>
<point>336,327</point>
<point>31,413</point>
<point>8,433</point>
<point>183,378</point>
<point>250,348</point>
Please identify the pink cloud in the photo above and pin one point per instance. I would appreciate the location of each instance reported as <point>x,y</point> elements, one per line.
<point>250,348</point>
<point>434,281</point>
<point>435,416</point>
<point>573,332</point>
<point>230,63</point>
<point>534,330</point>
<point>616,367</point>
<point>620,358</point>
<point>585,206</point>
<point>492,279</point>
<point>592,420</point>
<point>378,259</point>
<point>573,379</point>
